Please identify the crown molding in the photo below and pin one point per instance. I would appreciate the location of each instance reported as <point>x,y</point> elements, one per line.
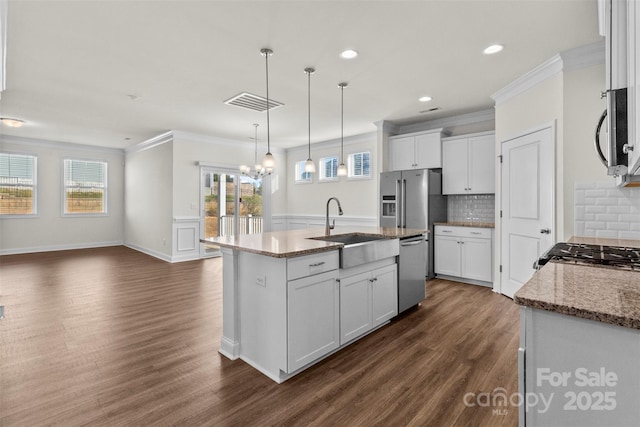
<point>331,143</point>
<point>445,122</point>
<point>151,142</point>
<point>569,60</point>
<point>19,140</point>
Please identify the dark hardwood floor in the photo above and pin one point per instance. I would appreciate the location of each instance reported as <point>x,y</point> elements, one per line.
<point>111,336</point>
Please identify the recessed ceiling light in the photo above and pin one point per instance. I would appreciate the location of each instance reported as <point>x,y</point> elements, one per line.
<point>494,48</point>
<point>14,123</point>
<point>424,99</point>
<point>348,54</point>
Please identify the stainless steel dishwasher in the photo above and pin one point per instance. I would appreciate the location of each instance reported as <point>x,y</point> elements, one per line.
<point>411,272</point>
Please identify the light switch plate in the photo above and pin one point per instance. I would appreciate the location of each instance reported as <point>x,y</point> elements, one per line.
<point>261,281</point>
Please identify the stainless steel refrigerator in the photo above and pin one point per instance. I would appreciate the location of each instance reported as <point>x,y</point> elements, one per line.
<point>412,199</point>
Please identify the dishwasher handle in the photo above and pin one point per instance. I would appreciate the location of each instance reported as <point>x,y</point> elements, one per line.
<point>411,243</point>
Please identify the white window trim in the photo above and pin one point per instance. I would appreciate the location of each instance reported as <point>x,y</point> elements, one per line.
<point>295,174</point>
<point>359,177</point>
<point>321,168</point>
<point>35,194</point>
<point>63,193</point>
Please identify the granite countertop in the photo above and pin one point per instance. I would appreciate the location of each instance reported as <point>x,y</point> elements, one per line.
<point>595,293</point>
<point>467,224</point>
<point>291,243</point>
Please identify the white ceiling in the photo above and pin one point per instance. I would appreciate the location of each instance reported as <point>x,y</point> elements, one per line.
<point>72,64</point>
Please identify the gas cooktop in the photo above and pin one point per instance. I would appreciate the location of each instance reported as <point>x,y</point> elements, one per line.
<point>621,258</point>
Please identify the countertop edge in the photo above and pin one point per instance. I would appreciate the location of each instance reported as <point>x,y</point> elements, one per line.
<point>466,224</point>
<point>577,312</point>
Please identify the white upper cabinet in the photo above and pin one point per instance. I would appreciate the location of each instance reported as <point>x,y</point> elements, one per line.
<point>419,150</point>
<point>468,164</point>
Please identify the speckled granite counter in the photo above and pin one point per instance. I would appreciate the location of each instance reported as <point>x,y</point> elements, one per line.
<point>602,294</point>
<point>284,244</point>
<point>467,224</point>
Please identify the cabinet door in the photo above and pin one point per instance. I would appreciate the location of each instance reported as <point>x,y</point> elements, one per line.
<point>355,306</point>
<point>384,294</point>
<point>402,154</point>
<point>313,328</point>
<point>428,151</point>
<point>482,165</point>
<point>477,259</point>
<point>446,254</point>
<point>454,167</point>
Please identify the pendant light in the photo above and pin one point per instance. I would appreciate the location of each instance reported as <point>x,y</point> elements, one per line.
<point>342,169</point>
<point>268,162</point>
<point>309,166</point>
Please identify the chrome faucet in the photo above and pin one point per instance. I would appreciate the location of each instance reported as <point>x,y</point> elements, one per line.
<point>327,227</point>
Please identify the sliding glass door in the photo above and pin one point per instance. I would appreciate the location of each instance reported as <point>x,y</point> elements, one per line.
<point>231,206</point>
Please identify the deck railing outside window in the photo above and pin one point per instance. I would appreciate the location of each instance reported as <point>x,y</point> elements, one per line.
<point>246,225</point>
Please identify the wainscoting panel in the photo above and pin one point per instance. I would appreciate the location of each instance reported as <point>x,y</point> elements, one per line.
<point>186,239</point>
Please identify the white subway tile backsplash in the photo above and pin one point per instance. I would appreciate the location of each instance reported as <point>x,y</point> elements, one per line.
<point>618,209</point>
<point>471,208</point>
<point>603,210</point>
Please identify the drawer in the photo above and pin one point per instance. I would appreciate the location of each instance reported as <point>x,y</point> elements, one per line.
<point>445,230</point>
<point>308,265</point>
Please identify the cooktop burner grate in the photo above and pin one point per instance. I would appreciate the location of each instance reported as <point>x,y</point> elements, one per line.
<point>596,255</point>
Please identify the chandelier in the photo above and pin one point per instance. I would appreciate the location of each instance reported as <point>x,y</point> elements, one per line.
<point>258,171</point>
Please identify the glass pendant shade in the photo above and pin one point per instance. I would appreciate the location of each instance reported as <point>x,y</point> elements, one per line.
<point>309,166</point>
<point>268,162</point>
<point>342,170</point>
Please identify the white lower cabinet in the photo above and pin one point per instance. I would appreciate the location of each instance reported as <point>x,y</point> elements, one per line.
<point>313,321</point>
<point>367,300</point>
<point>464,252</point>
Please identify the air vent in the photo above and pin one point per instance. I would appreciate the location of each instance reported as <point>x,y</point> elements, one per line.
<point>429,110</point>
<point>252,102</point>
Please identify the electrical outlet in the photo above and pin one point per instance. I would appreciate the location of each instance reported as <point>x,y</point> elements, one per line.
<point>193,206</point>
<point>261,281</point>
<point>164,242</point>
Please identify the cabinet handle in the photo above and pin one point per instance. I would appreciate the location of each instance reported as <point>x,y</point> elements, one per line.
<point>476,232</point>
<point>317,264</point>
<point>447,231</point>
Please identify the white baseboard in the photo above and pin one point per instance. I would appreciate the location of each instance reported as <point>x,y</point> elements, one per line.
<point>52,248</point>
<point>149,252</point>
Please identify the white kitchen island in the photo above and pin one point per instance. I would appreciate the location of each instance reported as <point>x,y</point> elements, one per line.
<point>287,304</point>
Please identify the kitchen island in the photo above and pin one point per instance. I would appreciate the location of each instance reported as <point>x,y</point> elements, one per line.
<point>287,303</point>
<point>580,344</point>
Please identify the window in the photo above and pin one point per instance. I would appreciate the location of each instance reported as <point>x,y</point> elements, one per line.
<point>360,165</point>
<point>17,184</point>
<point>301,175</point>
<point>328,169</point>
<point>85,187</point>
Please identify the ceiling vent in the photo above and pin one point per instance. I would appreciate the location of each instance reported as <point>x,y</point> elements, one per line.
<point>429,110</point>
<point>252,102</point>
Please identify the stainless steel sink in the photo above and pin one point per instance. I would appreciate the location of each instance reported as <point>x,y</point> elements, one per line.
<point>362,248</point>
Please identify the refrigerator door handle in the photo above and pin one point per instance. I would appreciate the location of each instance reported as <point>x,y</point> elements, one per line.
<point>398,203</point>
<point>404,203</point>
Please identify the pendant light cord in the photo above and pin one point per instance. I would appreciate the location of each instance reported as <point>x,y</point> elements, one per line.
<point>341,124</point>
<point>308,71</point>
<point>266,61</point>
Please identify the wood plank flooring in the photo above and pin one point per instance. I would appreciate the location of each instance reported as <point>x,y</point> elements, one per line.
<point>111,336</point>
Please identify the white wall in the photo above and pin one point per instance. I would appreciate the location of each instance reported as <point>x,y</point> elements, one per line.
<point>359,197</point>
<point>149,200</point>
<point>582,108</point>
<point>50,230</point>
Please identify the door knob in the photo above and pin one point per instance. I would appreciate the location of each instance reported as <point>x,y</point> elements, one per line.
<point>545,231</point>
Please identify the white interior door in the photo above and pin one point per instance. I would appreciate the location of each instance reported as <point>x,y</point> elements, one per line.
<point>528,171</point>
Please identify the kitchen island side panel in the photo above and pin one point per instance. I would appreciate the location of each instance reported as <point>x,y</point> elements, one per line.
<point>262,303</point>
<point>578,372</point>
